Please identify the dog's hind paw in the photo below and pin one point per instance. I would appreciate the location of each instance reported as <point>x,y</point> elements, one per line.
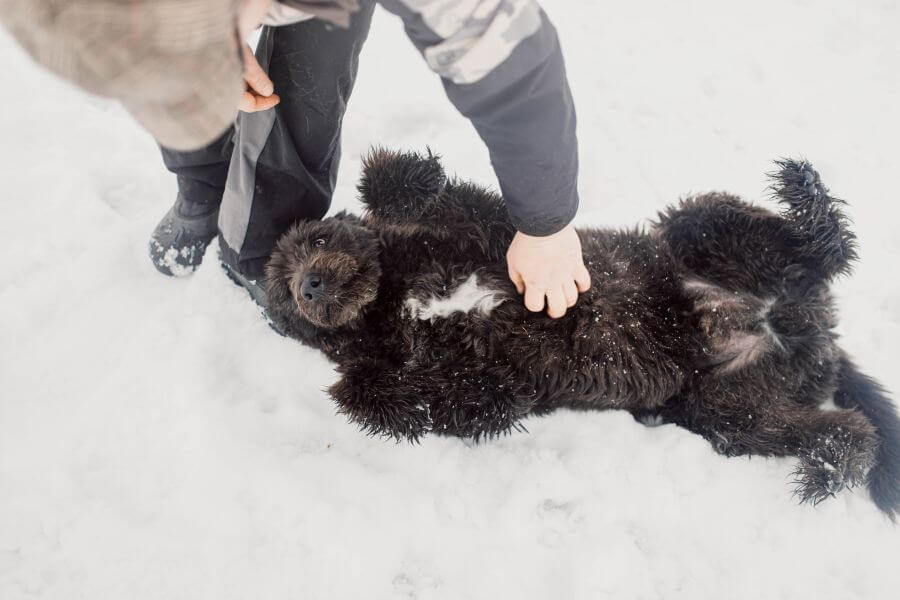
<point>817,480</point>
<point>832,465</point>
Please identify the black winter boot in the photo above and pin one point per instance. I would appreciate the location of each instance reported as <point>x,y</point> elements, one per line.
<point>256,288</point>
<point>180,240</point>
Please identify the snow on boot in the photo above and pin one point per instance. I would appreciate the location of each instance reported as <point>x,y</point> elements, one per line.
<point>180,239</point>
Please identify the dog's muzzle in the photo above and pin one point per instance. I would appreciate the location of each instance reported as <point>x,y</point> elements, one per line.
<point>312,287</point>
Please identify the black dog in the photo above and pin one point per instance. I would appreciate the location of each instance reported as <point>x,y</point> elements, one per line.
<point>718,319</point>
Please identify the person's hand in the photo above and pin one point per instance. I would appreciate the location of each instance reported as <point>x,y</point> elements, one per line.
<point>550,268</point>
<point>260,94</point>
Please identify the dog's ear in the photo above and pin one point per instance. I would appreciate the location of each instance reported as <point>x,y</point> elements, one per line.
<point>400,184</point>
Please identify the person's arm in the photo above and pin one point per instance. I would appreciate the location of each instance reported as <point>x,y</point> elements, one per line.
<point>502,67</point>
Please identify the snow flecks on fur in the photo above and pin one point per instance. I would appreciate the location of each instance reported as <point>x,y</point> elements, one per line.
<point>196,456</point>
<point>709,296</point>
<point>830,466</point>
<point>468,297</point>
<point>817,216</point>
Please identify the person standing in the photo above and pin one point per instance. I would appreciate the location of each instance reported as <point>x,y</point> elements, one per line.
<point>181,67</point>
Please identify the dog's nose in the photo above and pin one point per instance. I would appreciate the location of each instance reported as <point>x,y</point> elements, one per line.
<point>313,287</point>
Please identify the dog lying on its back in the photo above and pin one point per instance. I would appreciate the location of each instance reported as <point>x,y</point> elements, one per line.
<point>719,319</point>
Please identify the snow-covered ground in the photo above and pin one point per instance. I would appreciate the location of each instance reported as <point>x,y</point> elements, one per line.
<point>157,440</point>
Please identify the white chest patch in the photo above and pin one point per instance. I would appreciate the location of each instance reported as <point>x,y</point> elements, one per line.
<point>469,296</point>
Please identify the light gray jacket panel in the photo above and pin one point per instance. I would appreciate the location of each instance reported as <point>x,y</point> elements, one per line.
<point>502,67</point>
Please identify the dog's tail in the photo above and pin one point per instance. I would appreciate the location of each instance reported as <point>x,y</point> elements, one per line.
<point>861,392</point>
<point>827,243</point>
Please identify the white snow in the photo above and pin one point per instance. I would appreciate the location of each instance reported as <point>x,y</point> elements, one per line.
<point>157,440</point>
<point>466,297</point>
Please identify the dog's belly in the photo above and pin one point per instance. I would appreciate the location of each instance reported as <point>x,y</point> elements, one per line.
<point>471,296</point>
<point>611,350</point>
<point>601,364</point>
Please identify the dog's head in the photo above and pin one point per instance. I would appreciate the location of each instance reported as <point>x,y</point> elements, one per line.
<point>325,271</point>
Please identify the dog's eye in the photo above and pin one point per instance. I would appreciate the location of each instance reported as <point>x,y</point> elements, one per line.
<point>319,242</point>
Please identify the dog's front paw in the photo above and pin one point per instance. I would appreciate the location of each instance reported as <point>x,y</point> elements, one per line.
<point>383,404</point>
<point>480,406</point>
<point>399,186</point>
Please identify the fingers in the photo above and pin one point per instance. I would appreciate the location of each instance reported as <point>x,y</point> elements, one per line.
<point>534,298</point>
<point>559,298</point>
<point>583,279</point>
<point>516,278</point>
<point>253,103</point>
<point>556,303</point>
<point>571,294</point>
<point>548,268</point>
<point>260,94</point>
<point>255,76</point>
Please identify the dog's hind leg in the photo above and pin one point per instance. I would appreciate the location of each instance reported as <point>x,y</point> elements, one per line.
<point>826,245</point>
<point>722,239</point>
<point>836,448</point>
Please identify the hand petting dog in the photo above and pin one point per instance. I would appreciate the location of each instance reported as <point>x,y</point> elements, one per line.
<point>548,268</point>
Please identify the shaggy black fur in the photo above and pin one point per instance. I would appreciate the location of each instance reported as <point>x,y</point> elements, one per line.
<point>719,319</point>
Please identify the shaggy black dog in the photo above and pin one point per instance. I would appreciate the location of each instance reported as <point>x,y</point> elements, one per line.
<point>718,319</point>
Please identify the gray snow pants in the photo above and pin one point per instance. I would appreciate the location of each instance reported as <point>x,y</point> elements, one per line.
<point>277,166</point>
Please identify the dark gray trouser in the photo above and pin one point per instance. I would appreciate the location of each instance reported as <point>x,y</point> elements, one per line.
<point>278,166</point>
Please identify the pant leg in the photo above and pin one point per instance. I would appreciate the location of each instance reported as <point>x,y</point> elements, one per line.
<point>285,161</point>
<point>201,174</point>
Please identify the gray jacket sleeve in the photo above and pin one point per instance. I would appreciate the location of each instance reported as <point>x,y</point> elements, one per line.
<point>502,67</point>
